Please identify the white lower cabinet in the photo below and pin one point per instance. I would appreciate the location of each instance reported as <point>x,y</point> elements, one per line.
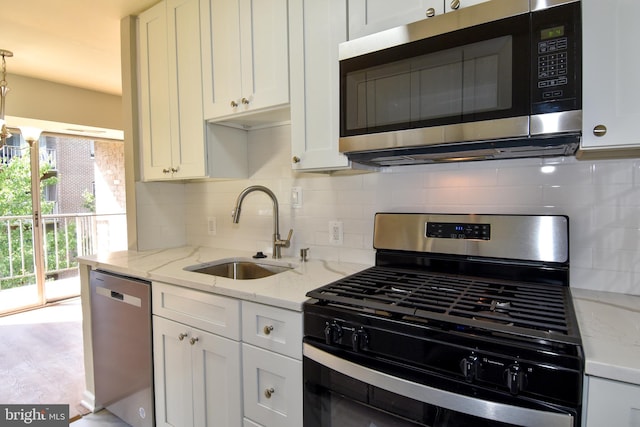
<point>612,403</point>
<point>222,362</point>
<point>271,366</point>
<point>272,388</point>
<point>197,373</point>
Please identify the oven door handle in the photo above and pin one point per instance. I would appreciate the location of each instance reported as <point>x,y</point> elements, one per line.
<point>456,402</point>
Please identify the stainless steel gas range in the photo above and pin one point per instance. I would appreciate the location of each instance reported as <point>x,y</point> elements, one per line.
<point>465,320</point>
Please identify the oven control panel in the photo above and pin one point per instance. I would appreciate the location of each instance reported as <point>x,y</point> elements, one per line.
<point>454,230</point>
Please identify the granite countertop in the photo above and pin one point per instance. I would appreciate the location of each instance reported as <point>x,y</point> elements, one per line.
<point>610,329</point>
<point>286,290</point>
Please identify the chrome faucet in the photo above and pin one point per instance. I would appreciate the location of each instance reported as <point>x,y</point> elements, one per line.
<point>277,243</point>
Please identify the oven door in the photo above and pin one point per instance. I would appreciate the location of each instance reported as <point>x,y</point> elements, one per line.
<point>341,393</point>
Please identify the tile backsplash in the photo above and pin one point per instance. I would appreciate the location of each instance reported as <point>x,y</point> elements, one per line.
<point>601,198</point>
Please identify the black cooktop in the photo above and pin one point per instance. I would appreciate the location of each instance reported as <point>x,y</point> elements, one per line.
<point>535,310</point>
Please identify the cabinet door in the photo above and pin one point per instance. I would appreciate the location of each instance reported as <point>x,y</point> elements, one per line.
<point>272,388</point>
<point>155,126</point>
<point>217,380</point>
<point>185,75</point>
<point>452,5</point>
<point>264,36</point>
<point>612,403</point>
<point>371,16</point>
<point>220,20</point>
<point>172,373</point>
<point>610,87</point>
<point>317,27</point>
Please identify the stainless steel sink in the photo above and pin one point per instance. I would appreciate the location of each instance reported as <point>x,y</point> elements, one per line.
<point>240,269</point>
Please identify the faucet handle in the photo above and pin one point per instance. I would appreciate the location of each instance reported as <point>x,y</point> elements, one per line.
<point>287,242</point>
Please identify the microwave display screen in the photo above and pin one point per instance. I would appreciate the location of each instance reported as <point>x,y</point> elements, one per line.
<point>552,33</point>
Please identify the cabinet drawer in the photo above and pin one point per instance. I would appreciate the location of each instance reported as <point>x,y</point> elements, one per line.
<point>272,388</point>
<point>209,312</point>
<point>272,328</point>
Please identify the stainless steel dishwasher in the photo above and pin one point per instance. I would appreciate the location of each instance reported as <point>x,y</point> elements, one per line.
<point>122,349</point>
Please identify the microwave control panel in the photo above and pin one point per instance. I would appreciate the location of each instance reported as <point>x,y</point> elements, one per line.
<point>555,59</point>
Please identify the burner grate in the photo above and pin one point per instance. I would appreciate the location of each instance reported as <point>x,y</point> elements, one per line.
<point>530,309</point>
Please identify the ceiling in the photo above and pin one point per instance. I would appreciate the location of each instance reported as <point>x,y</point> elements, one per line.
<point>73,42</point>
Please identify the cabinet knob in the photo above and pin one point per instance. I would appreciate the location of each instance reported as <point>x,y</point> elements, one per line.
<point>600,130</point>
<point>234,104</point>
<point>455,4</point>
<point>267,329</point>
<point>431,12</point>
<point>245,101</point>
<point>269,392</point>
<point>166,170</point>
<point>182,336</point>
<point>194,340</point>
<point>295,159</point>
<point>174,170</point>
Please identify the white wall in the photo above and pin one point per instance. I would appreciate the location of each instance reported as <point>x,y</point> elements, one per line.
<point>601,198</point>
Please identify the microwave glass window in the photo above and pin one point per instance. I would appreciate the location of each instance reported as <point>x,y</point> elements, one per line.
<point>464,80</point>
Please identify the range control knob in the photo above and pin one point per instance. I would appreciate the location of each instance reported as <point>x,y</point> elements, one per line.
<point>359,340</point>
<point>332,332</point>
<point>516,378</point>
<point>469,367</point>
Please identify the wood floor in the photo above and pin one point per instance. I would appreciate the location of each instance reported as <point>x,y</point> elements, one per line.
<point>41,357</point>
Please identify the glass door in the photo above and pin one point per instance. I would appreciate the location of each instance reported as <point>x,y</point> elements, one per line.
<point>21,262</point>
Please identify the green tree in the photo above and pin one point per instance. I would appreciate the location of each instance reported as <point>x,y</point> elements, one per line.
<point>15,200</point>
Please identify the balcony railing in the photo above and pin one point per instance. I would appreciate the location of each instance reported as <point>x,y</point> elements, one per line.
<point>9,152</point>
<point>66,237</point>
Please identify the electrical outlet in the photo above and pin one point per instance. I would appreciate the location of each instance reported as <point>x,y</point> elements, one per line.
<point>335,232</point>
<point>296,197</point>
<point>212,226</point>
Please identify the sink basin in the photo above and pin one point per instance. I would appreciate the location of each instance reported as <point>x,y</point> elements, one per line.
<point>239,269</point>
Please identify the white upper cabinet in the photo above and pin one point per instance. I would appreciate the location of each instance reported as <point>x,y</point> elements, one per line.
<point>172,129</point>
<point>317,27</point>
<point>452,5</point>
<point>610,70</point>
<point>371,16</point>
<point>176,143</point>
<point>245,58</point>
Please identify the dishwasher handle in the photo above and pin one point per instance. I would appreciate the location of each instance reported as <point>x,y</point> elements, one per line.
<point>117,296</point>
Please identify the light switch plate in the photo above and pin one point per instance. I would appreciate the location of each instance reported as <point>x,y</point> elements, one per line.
<point>296,197</point>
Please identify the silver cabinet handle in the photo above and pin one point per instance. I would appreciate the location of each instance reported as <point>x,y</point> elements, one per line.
<point>600,130</point>
<point>431,12</point>
<point>267,329</point>
<point>295,159</point>
<point>182,336</point>
<point>174,170</point>
<point>245,101</point>
<point>166,170</point>
<point>269,392</point>
<point>455,4</point>
<point>192,341</point>
<point>234,104</point>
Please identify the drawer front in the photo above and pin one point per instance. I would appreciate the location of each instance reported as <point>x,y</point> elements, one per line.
<point>272,328</point>
<point>209,312</point>
<point>272,388</point>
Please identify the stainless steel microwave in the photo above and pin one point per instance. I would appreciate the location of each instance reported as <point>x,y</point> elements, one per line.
<point>501,79</point>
